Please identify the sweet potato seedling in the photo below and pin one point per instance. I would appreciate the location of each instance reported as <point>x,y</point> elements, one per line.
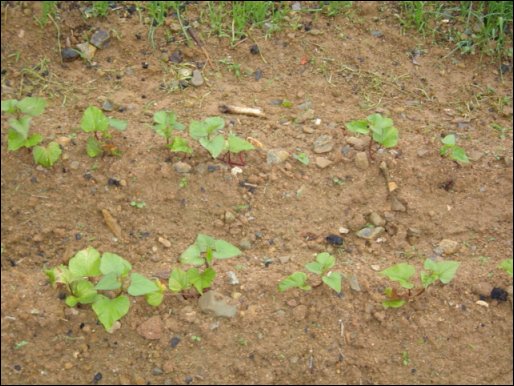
<point>506,265</point>
<point>22,112</point>
<point>444,271</point>
<point>324,262</point>
<point>382,129</point>
<point>204,251</point>
<point>95,121</point>
<point>88,274</point>
<point>165,124</point>
<point>450,149</point>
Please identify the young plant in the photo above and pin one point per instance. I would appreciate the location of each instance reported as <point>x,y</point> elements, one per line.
<point>95,121</point>
<point>302,157</point>
<point>444,271</point>
<point>204,251</point>
<point>22,112</point>
<point>506,265</point>
<point>324,262</point>
<point>165,123</point>
<point>450,148</point>
<point>47,156</point>
<point>88,273</point>
<point>382,129</point>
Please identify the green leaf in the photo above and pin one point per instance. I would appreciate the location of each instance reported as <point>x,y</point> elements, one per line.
<point>395,303</point>
<point>427,278</point>
<point>204,242</point>
<point>197,130</point>
<point>333,280</point>
<point>112,262</point>
<point>326,260</point>
<point>214,124</point>
<point>225,250</point>
<point>192,255</point>
<point>154,298</point>
<point>506,265</point>
<point>109,282</point>
<point>314,267</point>
<point>71,301</point>
<point>449,140</point>
<point>178,280</point>
<point>378,122</point>
<point>459,154</point>
<point>401,273</point>
<point>110,310</point>
<point>9,106</point>
<point>21,126</point>
<point>140,285</point>
<point>302,157</point>
<point>32,106</point>
<point>85,263</point>
<point>84,291</point>
<point>164,126</point>
<point>60,274</point>
<point>93,147</point>
<point>94,120</point>
<point>237,144</point>
<point>117,124</point>
<point>296,279</point>
<point>201,280</point>
<point>444,270</point>
<point>180,144</point>
<point>34,139</point>
<point>358,126</point>
<point>15,140</point>
<point>47,156</point>
<point>215,145</point>
<point>387,137</point>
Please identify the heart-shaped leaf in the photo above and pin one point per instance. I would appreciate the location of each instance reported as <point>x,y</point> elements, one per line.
<point>294,280</point>
<point>401,273</point>
<point>358,126</point>
<point>112,262</point>
<point>85,263</point>
<point>225,250</point>
<point>140,285</point>
<point>110,310</point>
<point>333,280</point>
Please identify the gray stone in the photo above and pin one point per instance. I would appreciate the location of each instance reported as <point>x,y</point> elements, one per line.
<point>69,54</point>
<point>322,162</point>
<point>107,105</point>
<point>87,50</point>
<point>359,143</point>
<point>100,38</point>
<point>376,220</point>
<point>217,303</point>
<point>448,247</point>
<point>197,79</point>
<point>296,6</point>
<point>276,156</point>
<point>361,160</point>
<point>245,244</point>
<point>182,167</point>
<point>354,283</point>
<point>232,278</point>
<point>323,144</point>
<point>369,233</point>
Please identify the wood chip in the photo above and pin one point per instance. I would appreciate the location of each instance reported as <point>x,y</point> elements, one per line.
<point>112,224</point>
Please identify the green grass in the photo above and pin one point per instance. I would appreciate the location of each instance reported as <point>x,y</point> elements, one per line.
<point>472,26</point>
<point>48,9</point>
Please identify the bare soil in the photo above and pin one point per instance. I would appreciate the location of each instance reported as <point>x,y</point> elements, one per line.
<point>345,72</point>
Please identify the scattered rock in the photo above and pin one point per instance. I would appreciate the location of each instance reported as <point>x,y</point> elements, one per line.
<point>296,6</point>
<point>397,205</point>
<point>358,143</point>
<point>107,105</point>
<point>100,38</point>
<point>276,156</point>
<point>151,328</point>
<point>176,57</point>
<point>370,233</point>
<point>88,51</point>
<point>334,240</point>
<point>482,289</point>
<point>245,244</point>
<point>361,160</point>
<point>343,230</point>
<point>323,144</point>
<point>197,79</point>
<point>499,294</point>
<point>482,303</point>
<point>254,49</point>
<point>322,162</point>
<point>165,242</point>
<point>377,34</point>
<point>375,267</point>
<point>448,247</point>
<point>229,217</point>
<point>182,167</point>
<point>69,54</point>
<point>232,278</point>
<point>354,283</point>
<point>356,222</point>
<point>376,220</point>
<point>217,303</point>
